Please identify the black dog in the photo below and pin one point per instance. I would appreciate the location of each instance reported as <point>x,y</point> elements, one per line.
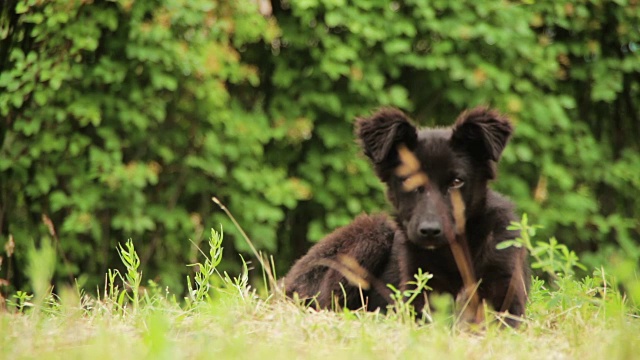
<point>459,159</point>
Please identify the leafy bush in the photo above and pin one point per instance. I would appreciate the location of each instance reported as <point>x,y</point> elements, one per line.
<point>121,119</point>
<point>545,63</point>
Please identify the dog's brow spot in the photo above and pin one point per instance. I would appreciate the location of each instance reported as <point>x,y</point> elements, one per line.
<point>409,168</point>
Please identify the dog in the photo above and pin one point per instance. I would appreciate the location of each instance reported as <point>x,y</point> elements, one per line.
<point>425,170</point>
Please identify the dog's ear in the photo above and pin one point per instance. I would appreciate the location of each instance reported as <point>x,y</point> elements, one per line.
<point>482,133</point>
<point>381,134</point>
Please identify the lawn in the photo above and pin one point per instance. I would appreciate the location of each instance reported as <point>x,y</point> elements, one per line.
<point>225,317</point>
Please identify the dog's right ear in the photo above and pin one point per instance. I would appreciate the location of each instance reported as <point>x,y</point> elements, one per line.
<point>381,134</point>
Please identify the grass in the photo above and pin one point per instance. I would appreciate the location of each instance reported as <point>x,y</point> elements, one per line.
<point>223,317</point>
<point>230,327</point>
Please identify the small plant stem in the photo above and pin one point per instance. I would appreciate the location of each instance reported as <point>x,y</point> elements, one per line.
<point>267,269</point>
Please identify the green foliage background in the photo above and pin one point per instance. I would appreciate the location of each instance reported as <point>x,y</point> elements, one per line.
<point>122,118</point>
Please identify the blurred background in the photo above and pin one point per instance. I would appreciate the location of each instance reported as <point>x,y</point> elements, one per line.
<point>121,119</point>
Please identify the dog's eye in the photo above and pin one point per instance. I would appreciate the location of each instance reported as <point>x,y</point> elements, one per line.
<point>419,189</point>
<point>456,183</point>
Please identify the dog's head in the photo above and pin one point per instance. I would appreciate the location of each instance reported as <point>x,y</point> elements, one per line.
<point>462,157</point>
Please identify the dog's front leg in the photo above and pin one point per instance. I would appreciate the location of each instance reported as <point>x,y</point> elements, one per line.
<point>508,296</point>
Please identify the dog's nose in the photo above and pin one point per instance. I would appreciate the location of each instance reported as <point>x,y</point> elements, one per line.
<point>430,228</point>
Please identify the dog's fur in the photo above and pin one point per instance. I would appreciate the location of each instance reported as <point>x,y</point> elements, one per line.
<point>462,157</point>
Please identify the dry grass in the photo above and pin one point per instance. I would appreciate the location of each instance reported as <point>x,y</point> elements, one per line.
<point>230,327</point>
<point>568,319</point>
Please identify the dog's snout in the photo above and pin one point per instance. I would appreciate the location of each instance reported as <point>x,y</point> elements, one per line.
<point>430,229</point>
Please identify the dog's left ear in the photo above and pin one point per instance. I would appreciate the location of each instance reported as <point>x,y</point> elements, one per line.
<point>482,133</point>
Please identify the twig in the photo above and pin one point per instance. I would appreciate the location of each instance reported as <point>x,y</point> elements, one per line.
<point>267,269</point>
